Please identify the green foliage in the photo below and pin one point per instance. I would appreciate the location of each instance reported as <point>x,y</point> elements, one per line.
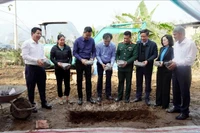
<point>142,14</point>
<point>94,31</point>
<point>12,57</point>
<point>196,38</point>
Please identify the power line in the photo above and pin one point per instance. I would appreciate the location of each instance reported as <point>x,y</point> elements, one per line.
<point>7,12</point>
<point>17,25</point>
<point>17,18</point>
<point>23,29</point>
<point>23,23</point>
<point>6,20</point>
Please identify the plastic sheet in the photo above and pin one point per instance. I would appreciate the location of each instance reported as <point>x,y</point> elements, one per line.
<point>178,129</point>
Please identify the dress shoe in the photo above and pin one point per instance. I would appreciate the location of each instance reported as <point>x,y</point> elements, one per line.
<point>173,110</point>
<point>165,107</point>
<point>127,100</point>
<point>46,106</point>
<point>98,99</point>
<point>182,116</point>
<point>34,110</point>
<point>33,104</point>
<point>117,99</point>
<point>147,101</point>
<point>80,101</point>
<point>137,99</point>
<point>109,98</point>
<point>91,101</point>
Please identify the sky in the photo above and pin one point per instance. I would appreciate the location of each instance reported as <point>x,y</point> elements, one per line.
<point>85,13</point>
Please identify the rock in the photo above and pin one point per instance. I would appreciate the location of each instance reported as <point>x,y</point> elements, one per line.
<point>42,124</point>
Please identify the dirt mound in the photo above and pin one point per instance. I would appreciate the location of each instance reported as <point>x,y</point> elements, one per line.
<point>106,114</point>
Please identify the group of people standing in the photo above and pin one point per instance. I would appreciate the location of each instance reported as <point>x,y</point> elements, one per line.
<point>179,61</point>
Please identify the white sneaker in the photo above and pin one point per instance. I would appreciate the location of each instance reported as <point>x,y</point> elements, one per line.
<point>60,101</point>
<point>66,99</point>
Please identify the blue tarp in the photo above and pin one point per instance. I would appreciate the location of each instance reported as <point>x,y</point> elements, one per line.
<point>192,7</point>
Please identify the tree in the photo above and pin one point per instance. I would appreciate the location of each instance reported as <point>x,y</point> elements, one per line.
<point>94,31</point>
<point>196,37</point>
<point>142,14</point>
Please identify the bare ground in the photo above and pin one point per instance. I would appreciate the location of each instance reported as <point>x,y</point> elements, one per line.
<point>106,114</point>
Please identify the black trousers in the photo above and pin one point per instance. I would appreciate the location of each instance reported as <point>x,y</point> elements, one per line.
<point>122,76</point>
<point>80,68</point>
<point>35,75</point>
<point>100,71</point>
<point>163,82</point>
<point>61,75</point>
<point>181,88</point>
<point>140,72</point>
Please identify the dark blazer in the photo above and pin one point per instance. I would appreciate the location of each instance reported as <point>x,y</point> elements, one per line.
<point>163,79</point>
<point>151,51</point>
<point>169,55</point>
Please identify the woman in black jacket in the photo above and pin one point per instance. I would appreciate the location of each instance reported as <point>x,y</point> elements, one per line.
<point>61,53</point>
<point>164,75</point>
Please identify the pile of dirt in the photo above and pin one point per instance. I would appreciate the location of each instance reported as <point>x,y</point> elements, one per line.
<point>106,114</point>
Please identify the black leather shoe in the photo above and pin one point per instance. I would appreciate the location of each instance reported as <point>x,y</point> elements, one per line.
<point>109,98</point>
<point>46,106</point>
<point>99,99</point>
<point>173,110</point>
<point>165,107</point>
<point>34,110</point>
<point>182,116</point>
<point>91,101</point>
<point>117,99</point>
<point>127,100</point>
<point>33,104</point>
<point>80,101</point>
<point>137,99</point>
<point>147,101</point>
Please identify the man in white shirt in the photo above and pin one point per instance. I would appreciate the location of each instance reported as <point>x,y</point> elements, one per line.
<point>33,53</point>
<point>184,56</point>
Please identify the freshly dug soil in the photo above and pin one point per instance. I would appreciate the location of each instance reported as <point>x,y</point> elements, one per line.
<point>110,116</point>
<point>106,114</point>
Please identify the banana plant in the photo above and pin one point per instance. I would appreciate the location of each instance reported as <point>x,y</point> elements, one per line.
<point>196,37</point>
<point>94,31</point>
<point>142,14</point>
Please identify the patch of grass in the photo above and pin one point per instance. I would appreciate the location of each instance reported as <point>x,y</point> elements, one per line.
<point>11,57</point>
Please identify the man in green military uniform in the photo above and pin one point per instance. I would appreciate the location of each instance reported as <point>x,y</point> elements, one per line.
<point>126,51</point>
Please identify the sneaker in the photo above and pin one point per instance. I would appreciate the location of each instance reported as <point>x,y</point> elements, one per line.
<point>99,99</point>
<point>61,101</point>
<point>66,99</point>
<point>80,101</point>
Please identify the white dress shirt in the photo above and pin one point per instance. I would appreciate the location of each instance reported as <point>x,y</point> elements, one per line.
<point>32,51</point>
<point>185,53</point>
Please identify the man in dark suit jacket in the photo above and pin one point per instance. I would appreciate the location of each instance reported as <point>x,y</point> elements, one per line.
<point>147,52</point>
